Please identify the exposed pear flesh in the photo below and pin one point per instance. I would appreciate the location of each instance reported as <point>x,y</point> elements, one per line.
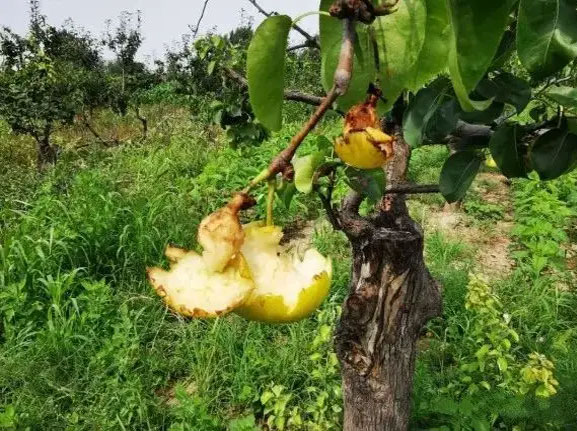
<point>287,288</point>
<point>220,234</point>
<point>192,289</point>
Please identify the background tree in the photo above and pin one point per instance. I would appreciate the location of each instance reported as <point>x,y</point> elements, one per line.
<point>404,49</point>
<point>38,91</point>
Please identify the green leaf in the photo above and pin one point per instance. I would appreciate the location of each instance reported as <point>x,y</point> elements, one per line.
<point>418,114</point>
<point>324,144</point>
<point>444,120</point>
<point>400,38</point>
<point>266,58</point>
<point>286,193</point>
<point>485,116</point>
<point>506,88</point>
<point>482,352</point>
<point>331,34</point>
<point>474,43</point>
<point>546,35</point>
<point>565,96</point>
<point>554,153</point>
<point>305,169</point>
<point>369,183</point>
<point>246,423</point>
<point>505,149</point>
<point>505,50</point>
<point>458,173</point>
<point>480,425</point>
<point>433,56</point>
<point>502,364</point>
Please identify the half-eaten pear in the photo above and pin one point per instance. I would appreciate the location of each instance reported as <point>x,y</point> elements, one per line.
<point>192,289</point>
<point>363,144</point>
<point>287,288</point>
<point>215,282</point>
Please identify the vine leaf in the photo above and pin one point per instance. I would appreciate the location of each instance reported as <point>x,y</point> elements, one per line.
<point>458,174</point>
<point>474,43</point>
<point>546,35</point>
<point>565,96</point>
<point>554,153</point>
<point>266,59</point>
<point>507,153</point>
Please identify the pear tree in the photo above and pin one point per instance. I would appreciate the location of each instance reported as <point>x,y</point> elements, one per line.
<point>406,74</point>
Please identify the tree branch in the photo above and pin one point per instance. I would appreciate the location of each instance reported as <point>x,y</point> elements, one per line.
<point>300,46</point>
<point>197,27</point>
<point>408,189</point>
<point>342,77</point>
<point>313,42</point>
<point>91,129</point>
<point>293,95</point>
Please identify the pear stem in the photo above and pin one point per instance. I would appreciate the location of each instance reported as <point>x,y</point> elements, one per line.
<point>270,201</point>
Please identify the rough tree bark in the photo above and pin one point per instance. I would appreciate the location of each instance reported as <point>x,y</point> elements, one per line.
<point>392,295</point>
<point>46,153</point>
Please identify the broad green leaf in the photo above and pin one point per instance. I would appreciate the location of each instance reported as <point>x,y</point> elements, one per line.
<point>265,61</point>
<point>506,88</point>
<point>474,43</point>
<point>502,364</point>
<point>433,56</point>
<point>364,70</point>
<point>480,424</point>
<point>324,144</point>
<point>458,173</point>
<point>286,193</point>
<point>400,38</point>
<point>444,120</point>
<point>546,35</point>
<point>418,114</point>
<point>506,152</point>
<point>505,50</point>
<point>369,183</point>
<point>554,153</point>
<point>305,169</point>
<point>485,116</point>
<point>565,96</point>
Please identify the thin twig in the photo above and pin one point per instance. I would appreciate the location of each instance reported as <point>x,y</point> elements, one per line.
<point>96,134</point>
<point>197,27</point>
<point>408,189</point>
<point>342,79</point>
<point>553,82</point>
<point>300,46</point>
<point>310,38</point>
<point>294,95</point>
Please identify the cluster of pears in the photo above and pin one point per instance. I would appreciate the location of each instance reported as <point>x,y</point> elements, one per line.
<point>242,269</point>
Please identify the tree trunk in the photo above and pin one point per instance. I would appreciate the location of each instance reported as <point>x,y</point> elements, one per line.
<point>392,295</point>
<point>46,153</point>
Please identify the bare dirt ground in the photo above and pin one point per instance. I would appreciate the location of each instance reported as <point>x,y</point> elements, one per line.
<point>491,241</point>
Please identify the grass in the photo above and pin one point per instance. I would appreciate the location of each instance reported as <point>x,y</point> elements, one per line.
<point>85,344</point>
